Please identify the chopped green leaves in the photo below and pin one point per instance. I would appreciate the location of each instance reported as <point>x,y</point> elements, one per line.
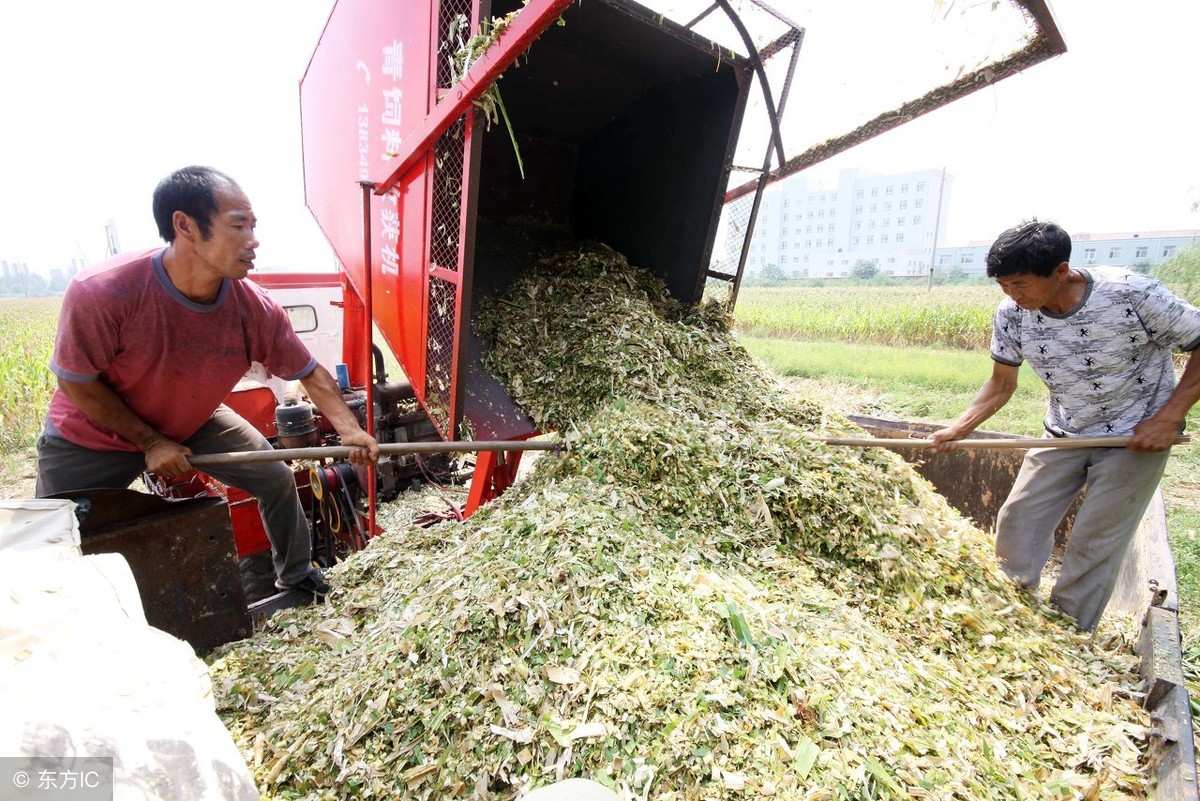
<point>695,601</point>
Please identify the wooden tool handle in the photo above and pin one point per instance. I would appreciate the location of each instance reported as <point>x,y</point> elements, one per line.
<point>1015,443</point>
<point>334,451</point>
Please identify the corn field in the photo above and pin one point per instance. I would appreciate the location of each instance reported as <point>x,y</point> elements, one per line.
<point>951,316</point>
<point>26,383</point>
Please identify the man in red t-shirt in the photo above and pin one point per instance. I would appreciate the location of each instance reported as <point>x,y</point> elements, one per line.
<point>149,345</point>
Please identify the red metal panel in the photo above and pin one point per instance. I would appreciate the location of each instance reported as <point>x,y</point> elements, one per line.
<point>399,300</point>
<point>354,317</point>
<point>366,101</point>
<point>248,529</point>
<point>495,472</point>
<point>257,406</point>
<point>366,88</point>
<point>295,280</point>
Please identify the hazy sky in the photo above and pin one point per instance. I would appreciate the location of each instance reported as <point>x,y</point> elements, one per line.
<point>1105,138</point>
<point>102,98</point>
<point>99,100</point>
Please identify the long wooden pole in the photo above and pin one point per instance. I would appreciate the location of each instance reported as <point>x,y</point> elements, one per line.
<point>467,446</point>
<point>335,451</point>
<point>1017,443</point>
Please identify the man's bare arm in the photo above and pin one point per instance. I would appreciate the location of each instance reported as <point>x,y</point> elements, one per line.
<point>323,390</point>
<point>996,392</point>
<point>104,407</point>
<point>1160,431</point>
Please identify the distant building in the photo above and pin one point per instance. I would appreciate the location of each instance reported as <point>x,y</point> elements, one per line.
<point>892,221</point>
<point>1119,249</point>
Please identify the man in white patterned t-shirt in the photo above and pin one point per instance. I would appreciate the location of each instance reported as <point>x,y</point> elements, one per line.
<point>1102,340</point>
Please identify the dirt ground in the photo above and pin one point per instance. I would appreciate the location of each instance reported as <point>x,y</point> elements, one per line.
<point>18,474</point>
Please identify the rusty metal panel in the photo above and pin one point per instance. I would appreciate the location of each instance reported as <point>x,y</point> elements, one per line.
<point>976,482</point>
<point>182,555</point>
<point>1172,754</point>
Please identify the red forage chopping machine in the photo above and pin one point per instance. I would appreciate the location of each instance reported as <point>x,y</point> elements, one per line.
<point>630,120</point>
<point>625,123</point>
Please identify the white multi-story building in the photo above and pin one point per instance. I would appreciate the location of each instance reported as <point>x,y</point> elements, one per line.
<point>1121,250</point>
<point>892,221</point>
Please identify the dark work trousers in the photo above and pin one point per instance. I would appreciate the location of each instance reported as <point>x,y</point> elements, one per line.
<point>66,467</point>
<point>1120,484</point>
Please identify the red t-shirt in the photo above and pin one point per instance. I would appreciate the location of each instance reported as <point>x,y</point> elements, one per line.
<point>172,360</point>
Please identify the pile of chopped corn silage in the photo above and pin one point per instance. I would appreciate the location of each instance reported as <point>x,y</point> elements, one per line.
<point>697,600</point>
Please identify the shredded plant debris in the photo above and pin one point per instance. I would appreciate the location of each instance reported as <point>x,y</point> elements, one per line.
<point>698,600</point>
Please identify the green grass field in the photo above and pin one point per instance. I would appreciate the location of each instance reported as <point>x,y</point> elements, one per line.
<point>26,383</point>
<point>920,383</point>
<point>955,315</point>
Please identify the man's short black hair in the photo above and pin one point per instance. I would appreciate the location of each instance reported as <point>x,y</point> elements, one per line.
<point>192,190</point>
<point>1031,247</point>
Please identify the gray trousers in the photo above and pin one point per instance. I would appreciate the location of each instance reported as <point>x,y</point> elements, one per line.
<point>66,467</point>
<point>1120,484</point>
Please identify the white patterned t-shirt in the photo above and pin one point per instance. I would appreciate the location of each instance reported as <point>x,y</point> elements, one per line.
<point>1108,361</point>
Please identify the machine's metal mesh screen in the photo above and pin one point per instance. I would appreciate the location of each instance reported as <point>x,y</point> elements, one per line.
<point>733,237</point>
<point>446,215</point>
<point>451,16</point>
<point>439,356</point>
<point>446,225</point>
